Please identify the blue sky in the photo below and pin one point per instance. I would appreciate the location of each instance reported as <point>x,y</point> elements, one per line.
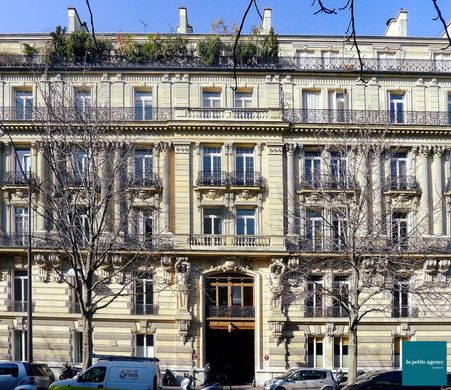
<point>289,16</point>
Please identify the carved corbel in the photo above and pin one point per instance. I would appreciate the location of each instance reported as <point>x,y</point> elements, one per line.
<point>278,332</point>
<point>43,268</point>
<point>429,268</point>
<point>166,264</point>
<point>184,328</point>
<point>443,269</point>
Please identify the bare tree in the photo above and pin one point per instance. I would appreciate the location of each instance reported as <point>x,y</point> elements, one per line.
<point>374,251</point>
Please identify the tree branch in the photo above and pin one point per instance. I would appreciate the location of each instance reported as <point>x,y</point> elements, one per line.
<point>442,21</point>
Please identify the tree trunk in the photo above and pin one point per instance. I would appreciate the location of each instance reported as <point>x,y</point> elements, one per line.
<point>353,354</point>
<point>88,345</point>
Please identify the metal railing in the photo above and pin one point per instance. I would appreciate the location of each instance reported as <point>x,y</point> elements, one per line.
<point>327,182</point>
<point>315,311</point>
<point>246,179</point>
<point>18,178</point>
<point>341,64</point>
<point>405,312</point>
<point>367,117</point>
<point>19,306</point>
<point>224,311</point>
<point>144,309</point>
<point>148,180</point>
<point>208,178</point>
<point>401,183</point>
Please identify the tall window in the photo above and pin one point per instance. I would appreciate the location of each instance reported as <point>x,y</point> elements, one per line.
<point>315,352</point>
<point>396,108</point>
<point>211,99</point>
<point>338,169</point>
<point>143,167</point>
<point>213,220</point>
<point>397,350</point>
<point>144,302</point>
<point>81,167</point>
<point>83,103</point>
<point>312,169</point>
<point>21,215</point>
<point>313,230</point>
<point>341,352</point>
<point>399,229</point>
<point>24,105</point>
<point>401,300</point>
<point>212,166</point>
<point>20,345</point>
<point>145,345</point>
<point>77,347</point>
<point>315,297</point>
<point>145,226</point>
<point>244,166</point>
<point>340,296</point>
<point>337,105</point>
<point>310,106</point>
<point>339,231</point>
<point>398,171</point>
<point>20,299</point>
<point>23,160</point>
<point>245,222</point>
<point>143,106</point>
<point>243,99</point>
<point>82,228</point>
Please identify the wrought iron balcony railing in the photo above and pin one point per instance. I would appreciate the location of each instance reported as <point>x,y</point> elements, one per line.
<point>405,312</point>
<point>338,64</point>
<point>208,178</point>
<point>327,182</point>
<point>224,311</point>
<point>401,183</point>
<point>367,117</point>
<point>336,311</point>
<point>148,180</point>
<point>17,178</point>
<point>19,306</point>
<point>246,179</point>
<point>315,311</point>
<point>144,309</point>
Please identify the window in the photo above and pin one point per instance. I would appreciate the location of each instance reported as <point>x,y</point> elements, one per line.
<point>145,226</point>
<point>398,171</point>
<point>230,296</point>
<point>24,105</point>
<point>245,222</point>
<point>77,347</point>
<point>315,351</point>
<point>310,106</point>
<point>20,345</point>
<point>401,301</point>
<point>243,99</point>
<point>449,108</point>
<point>341,352</point>
<point>399,229</point>
<point>83,103</point>
<point>340,296</point>
<point>337,105</point>
<point>21,215</point>
<point>94,374</point>
<point>330,59</point>
<point>397,350</point>
<point>244,167</point>
<point>211,99</point>
<point>312,169</point>
<point>315,297</point>
<point>23,160</point>
<point>387,60</point>
<point>143,106</point>
<point>338,169</point>
<point>313,230</point>
<point>144,302</point>
<point>145,345</point>
<point>20,299</point>
<point>212,166</point>
<point>143,168</point>
<point>339,231</point>
<point>213,219</point>
<point>396,108</point>
<point>81,222</point>
<point>81,167</point>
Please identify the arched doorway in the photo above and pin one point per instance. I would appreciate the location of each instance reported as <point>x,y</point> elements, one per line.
<point>230,326</point>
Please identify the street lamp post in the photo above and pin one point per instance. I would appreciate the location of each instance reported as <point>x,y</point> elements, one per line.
<point>29,350</point>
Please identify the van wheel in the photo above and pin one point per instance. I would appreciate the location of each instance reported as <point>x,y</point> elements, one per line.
<point>280,388</point>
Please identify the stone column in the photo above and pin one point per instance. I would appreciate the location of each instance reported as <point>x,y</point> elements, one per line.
<point>291,190</point>
<point>437,189</point>
<point>164,147</point>
<point>423,179</point>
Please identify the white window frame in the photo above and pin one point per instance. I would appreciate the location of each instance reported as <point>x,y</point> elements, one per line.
<point>83,102</point>
<point>141,157</point>
<point>21,216</point>
<point>245,100</point>
<point>145,101</point>
<point>313,222</point>
<point>145,346</point>
<point>23,336</point>
<point>341,338</point>
<point>77,347</point>
<point>214,101</point>
<point>23,159</point>
<point>393,98</point>
<point>25,97</point>
<point>315,342</point>
<point>317,283</point>
<point>246,218</point>
<point>207,152</point>
<point>212,218</point>
<point>81,164</point>
<point>339,284</point>
<point>22,280</point>
<point>145,215</point>
<point>398,222</point>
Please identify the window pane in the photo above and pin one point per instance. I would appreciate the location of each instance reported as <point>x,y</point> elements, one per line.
<point>248,298</point>
<point>236,296</point>
<point>222,295</point>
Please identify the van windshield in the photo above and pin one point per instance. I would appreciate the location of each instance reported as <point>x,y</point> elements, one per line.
<point>94,374</point>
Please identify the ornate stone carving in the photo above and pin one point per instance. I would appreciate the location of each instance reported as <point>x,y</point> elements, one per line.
<point>246,194</point>
<point>166,264</point>
<point>429,267</point>
<point>184,328</point>
<point>182,273</point>
<point>276,282</point>
<point>213,194</point>
<point>443,269</point>
<point>230,266</point>
<point>278,331</point>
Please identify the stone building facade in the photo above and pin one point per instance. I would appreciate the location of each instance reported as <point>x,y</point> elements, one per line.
<point>236,169</point>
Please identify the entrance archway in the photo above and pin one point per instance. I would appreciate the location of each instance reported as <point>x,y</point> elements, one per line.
<point>230,326</point>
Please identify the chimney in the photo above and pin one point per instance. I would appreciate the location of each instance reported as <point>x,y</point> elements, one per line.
<point>266,23</point>
<point>75,23</point>
<point>397,27</point>
<point>184,27</point>
<point>448,28</point>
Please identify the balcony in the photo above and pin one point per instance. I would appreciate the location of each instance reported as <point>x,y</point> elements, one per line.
<point>212,179</point>
<point>367,117</point>
<point>224,311</point>
<point>19,179</point>
<point>236,114</point>
<point>327,183</point>
<point>216,241</point>
<point>146,181</point>
<point>405,312</point>
<point>401,183</point>
<point>143,309</point>
<point>246,179</point>
<point>315,311</point>
<point>19,306</point>
<point>147,242</point>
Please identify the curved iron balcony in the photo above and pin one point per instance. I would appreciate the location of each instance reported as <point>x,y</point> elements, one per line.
<point>17,178</point>
<point>401,183</point>
<point>246,179</point>
<point>142,309</point>
<point>20,306</point>
<point>327,182</point>
<point>367,117</point>
<point>207,178</point>
<point>223,311</point>
<point>148,180</point>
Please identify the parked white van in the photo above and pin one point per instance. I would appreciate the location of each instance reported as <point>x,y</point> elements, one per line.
<point>116,373</point>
